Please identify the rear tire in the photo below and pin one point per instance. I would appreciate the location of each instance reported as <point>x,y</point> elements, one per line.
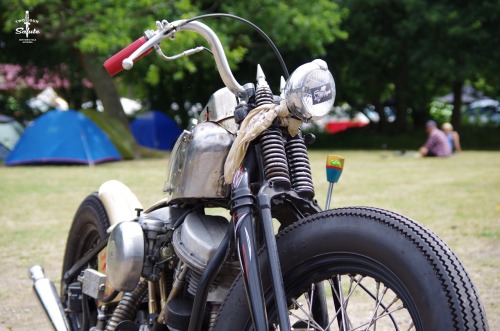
<point>88,228</point>
<point>372,251</point>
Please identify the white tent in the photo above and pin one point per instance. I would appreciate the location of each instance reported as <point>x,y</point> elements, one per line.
<point>130,107</point>
<point>48,99</point>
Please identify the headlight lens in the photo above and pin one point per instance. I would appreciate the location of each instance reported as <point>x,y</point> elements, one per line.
<point>310,90</point>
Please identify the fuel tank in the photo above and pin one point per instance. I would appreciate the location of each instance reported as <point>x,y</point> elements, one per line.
<point>196,169</point>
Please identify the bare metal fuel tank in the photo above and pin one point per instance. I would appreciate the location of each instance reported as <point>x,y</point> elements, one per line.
<point>196,168</point>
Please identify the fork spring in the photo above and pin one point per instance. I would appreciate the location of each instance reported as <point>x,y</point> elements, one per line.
<point>300,168</point>
<point>274,157</point>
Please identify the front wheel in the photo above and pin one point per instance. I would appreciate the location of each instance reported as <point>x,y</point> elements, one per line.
<point>363,269</point>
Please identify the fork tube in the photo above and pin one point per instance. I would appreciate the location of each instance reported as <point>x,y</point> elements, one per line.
<point>274,262</point>
<point>242,212</point>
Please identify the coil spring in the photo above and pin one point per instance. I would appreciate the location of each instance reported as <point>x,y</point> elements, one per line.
<point>300,169</point>
<point>127,307</point>
<point>263,95</point>
<point>274,156</point>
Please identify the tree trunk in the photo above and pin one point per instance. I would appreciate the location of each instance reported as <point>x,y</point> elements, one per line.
<point>457,105</point>
<point>104,87</point>
<point>403,97</point>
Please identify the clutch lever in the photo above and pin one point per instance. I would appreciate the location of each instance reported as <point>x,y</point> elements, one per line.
<point>165,30</point>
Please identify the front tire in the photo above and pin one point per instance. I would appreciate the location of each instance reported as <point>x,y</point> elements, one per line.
<point>372,269</point>
<point>88,228</point>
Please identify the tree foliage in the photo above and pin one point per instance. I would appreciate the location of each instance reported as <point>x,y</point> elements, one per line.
<point>394,53</point>
<point>405,53</point>
<point>92,31</point>
<point>89,32</point>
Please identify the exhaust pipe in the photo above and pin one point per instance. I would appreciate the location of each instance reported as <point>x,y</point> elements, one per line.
<point>47,295</point>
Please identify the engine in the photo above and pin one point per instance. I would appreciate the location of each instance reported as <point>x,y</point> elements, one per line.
<point>195,243</point>
<point>150,245</point>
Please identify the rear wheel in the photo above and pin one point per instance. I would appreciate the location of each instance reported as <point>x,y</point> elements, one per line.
<point>88,228</point>
<point>363,269</point>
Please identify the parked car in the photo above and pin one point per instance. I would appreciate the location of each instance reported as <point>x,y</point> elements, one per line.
<point>483,112</point>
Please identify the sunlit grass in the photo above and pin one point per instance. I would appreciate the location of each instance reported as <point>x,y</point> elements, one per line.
<point>458,198</point>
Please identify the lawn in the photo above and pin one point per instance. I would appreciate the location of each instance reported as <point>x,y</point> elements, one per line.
<point>457,198</point>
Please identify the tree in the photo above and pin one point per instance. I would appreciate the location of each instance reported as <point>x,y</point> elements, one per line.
<point>408,52</point>
<point>376,61</point>
<point>91,31</point>
<point>300,31</point>
<point>95,30</point>
<point>457,48</point>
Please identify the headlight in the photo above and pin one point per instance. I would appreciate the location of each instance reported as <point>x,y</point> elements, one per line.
<point>310,90</point>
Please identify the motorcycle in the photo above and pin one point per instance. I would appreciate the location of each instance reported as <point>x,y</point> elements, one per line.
<point>178,266</point>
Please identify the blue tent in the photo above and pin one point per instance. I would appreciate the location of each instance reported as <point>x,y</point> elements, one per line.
<point>156,130</point>
<point>63,137</point>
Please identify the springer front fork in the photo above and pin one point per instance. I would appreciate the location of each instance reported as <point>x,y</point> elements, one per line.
<point>286,172</point>
<point>243,205</point>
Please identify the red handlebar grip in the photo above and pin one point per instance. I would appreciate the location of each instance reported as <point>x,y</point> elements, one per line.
<point>114,64</point>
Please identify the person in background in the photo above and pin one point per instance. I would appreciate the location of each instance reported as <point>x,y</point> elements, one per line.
<point>437,144</point>
<point>453,137</point>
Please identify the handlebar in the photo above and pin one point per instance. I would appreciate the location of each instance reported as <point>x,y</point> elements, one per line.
<point>114,64</point>
<point>125,58</point>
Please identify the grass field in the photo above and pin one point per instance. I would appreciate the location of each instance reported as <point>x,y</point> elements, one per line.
<point>457,198</point>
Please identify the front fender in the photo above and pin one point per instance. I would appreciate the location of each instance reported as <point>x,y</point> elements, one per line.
<point>119,201</point>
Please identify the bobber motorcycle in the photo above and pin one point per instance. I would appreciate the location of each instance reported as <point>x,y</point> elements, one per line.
<point>177,266</point>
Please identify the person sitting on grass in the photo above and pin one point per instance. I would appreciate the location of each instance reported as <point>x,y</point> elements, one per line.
<point>437,144</point>
<point>452,136</point>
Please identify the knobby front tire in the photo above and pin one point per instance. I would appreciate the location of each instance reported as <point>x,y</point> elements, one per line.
<point>363,269</point>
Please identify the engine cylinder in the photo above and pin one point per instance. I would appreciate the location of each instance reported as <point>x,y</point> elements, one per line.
<point>195,243</point>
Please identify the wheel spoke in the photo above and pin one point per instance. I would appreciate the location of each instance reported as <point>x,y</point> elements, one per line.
<point>368,324</point>
<point>308,316</point>
<point>310,303</point>
<point>377,305</point>
<point>377,302</point>
<point>359,303</point>
<point>343,303</point>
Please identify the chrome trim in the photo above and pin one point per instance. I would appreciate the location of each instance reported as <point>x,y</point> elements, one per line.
<point>220,109</point>
<point>47,294</point>
<point>219,55</point>
<point>125,256</point>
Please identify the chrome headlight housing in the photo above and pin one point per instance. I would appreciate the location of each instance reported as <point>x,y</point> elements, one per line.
<point>310,91</point>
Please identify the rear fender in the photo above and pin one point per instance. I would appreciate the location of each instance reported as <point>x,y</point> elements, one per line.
<point>119,201</point>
